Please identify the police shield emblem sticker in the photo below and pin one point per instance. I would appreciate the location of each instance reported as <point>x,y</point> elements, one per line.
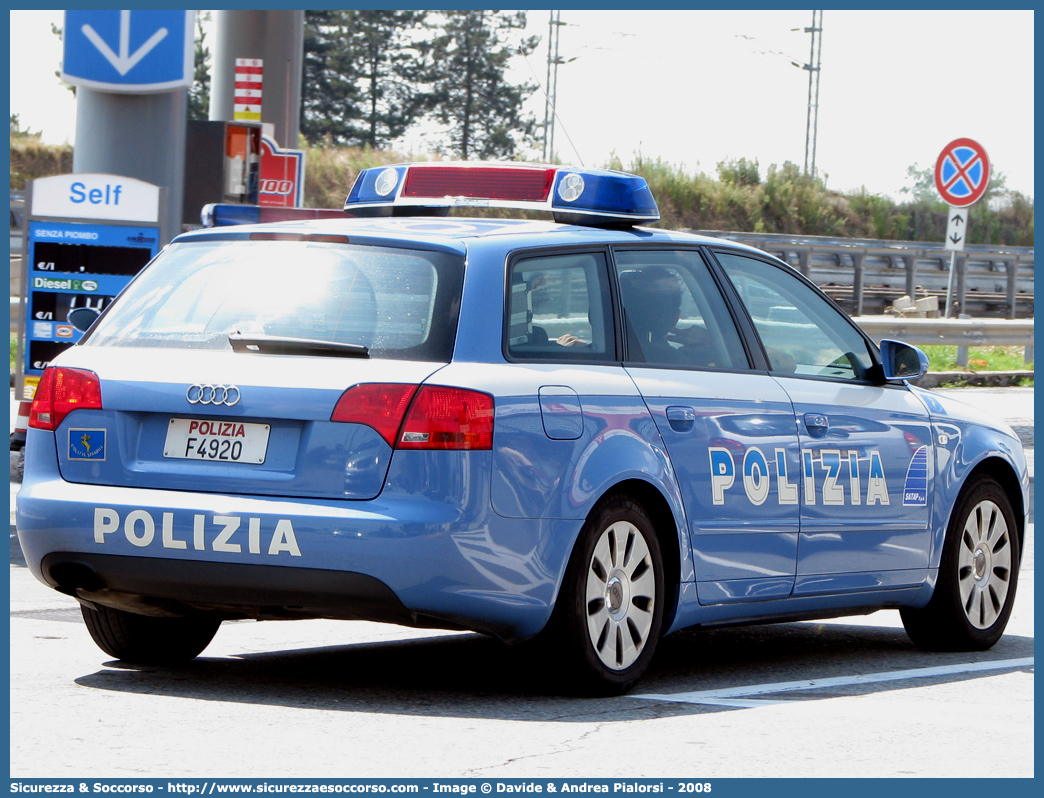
<point>86,444</point>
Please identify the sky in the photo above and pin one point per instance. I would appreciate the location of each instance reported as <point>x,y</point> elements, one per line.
<point>695,88</point>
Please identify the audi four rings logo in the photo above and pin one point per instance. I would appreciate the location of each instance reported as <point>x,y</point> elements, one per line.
<point>227,395</point>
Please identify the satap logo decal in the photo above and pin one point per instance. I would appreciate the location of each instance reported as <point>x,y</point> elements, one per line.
<point>915,490</point>
<point>86,444</point>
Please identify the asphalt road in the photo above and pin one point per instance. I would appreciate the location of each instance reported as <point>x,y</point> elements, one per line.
<point>849,697</point>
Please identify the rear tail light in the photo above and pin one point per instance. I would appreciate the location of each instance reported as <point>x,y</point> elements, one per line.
<point>425,417</point>
<point>448,418</point>
<point>61,391</point>
<point>380,406</point>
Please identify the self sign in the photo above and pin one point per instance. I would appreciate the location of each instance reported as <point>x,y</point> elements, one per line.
<point>110,195</point>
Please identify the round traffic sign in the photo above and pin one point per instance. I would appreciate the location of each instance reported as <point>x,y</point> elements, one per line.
<point>962,172</point>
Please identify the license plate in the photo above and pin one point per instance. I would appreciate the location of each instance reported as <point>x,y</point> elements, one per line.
<point>217,441</point>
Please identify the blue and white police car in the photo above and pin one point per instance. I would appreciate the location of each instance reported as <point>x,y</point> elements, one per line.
<point>583,430</point>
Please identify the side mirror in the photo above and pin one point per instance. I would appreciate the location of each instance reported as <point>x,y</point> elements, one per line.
<point>82,318</point>
<point>902,362</point>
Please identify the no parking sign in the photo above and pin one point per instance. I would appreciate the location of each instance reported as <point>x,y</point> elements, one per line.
<point>962,173</point>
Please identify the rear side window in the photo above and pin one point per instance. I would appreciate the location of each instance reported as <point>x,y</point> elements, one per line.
<point>399,303</point>
<point>674,313</point>
<point>558,308</point>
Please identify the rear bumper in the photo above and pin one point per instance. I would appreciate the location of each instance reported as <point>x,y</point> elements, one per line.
<point>428,551</point>
<point>155,586</point>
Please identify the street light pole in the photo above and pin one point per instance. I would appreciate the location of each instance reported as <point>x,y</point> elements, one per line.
<point>814,67</point>
<point>554,24</point>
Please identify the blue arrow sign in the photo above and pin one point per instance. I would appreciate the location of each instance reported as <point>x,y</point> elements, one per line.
<point>136,52</point>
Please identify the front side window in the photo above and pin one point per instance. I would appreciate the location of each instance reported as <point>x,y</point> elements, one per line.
<point>674,314</point>
<point>398,303</point>
<point>558,308</point>
<point>802,333</point>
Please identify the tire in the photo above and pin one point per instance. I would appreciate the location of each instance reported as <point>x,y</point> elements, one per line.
<point>608,616</point>
<point>146,640</point>
<point>978,575</point>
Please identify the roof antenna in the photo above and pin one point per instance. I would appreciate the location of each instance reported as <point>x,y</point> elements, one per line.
<point>553,24</point>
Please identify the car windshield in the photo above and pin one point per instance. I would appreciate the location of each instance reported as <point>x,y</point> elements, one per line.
<point>390,302</point>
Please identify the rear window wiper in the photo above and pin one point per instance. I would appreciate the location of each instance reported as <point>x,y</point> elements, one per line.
<point>259,343</point>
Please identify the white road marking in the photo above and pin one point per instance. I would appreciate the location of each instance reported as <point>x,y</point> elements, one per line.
<point>738,696</point>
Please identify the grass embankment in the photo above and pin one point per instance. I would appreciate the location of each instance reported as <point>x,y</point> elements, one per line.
<point>785,201</point>
<point>980,358</point>
<point>738,197</point>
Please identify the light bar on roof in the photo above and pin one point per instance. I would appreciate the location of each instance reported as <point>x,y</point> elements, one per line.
<point>575,196</point>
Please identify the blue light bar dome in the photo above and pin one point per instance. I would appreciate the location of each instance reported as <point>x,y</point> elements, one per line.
<point>592,197</point>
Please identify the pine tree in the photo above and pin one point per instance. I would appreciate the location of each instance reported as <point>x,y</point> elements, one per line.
<point>361,80</point>
<point>470,94</point>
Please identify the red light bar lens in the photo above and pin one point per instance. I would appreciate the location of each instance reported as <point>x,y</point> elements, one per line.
<point>60,392</point>
<point>522,185</point>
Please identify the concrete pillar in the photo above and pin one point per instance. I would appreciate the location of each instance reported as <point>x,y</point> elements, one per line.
<point>910,262</point>
<point>276,37</point>
<point>135,135</point>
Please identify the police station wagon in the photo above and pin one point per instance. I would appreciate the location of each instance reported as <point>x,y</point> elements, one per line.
<point>583,431</point>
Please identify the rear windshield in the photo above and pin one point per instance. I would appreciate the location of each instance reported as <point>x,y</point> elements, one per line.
<point>399,303</point>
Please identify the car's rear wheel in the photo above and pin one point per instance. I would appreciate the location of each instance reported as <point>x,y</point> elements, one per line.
<point>147,640</point>
<point>977,575</point>
<point>609,612</point>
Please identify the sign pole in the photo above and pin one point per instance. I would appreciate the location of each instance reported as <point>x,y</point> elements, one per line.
<point>956,234</point>
<point>949,284</point>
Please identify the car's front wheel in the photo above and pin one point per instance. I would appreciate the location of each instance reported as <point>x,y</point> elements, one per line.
<point>147,640</point>
<point>610,609</point>
<point>977,575</point>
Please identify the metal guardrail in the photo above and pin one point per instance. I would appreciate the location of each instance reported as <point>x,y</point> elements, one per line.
<point>866,243</point>
<point>962,332</point>
<point>865,274</point>
<point>952,332</point>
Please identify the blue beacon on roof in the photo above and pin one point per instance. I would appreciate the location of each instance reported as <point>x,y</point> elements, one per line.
<point>593,197</point>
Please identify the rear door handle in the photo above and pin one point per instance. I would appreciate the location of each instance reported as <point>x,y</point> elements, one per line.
<point>681,419</point>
